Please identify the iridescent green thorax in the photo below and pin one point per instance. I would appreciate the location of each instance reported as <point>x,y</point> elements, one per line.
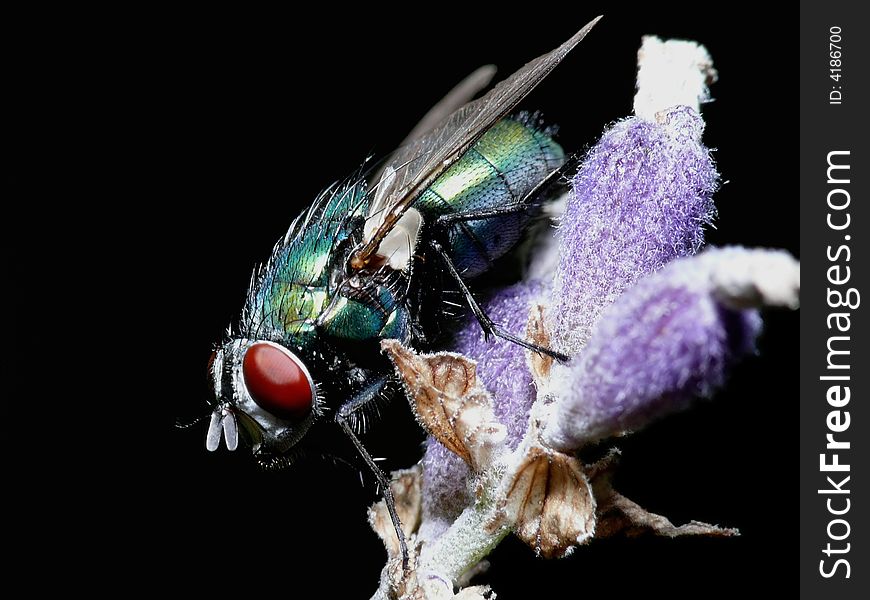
<point>298,296</point>
<point>497,172</point>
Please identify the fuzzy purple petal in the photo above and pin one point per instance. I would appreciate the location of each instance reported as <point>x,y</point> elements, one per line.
<point>666,341</point>
<point>640,200</point>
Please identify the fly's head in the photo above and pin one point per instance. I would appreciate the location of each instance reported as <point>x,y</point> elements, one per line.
<point>263,393</point>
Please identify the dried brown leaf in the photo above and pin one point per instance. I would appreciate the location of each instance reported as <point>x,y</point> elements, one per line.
<point>398,584</point>
<point>549,502</point>
<point>450,402</point>
<point>536,331</point>
<point>621,515</point>
<point>407,493</point>
<point>618,514</point>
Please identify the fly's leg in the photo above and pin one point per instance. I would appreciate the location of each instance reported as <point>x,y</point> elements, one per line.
<point>443,222</point>
<point>385,486</point>
<point>489,328</point>
<point>343,417</point>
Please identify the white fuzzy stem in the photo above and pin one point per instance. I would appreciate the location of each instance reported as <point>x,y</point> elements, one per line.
<point>463,545</point>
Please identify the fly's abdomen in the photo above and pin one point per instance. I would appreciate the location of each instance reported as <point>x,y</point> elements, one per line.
<point>497,172</point>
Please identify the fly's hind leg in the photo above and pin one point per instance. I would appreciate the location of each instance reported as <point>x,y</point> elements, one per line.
<point>529,201</point>
<point>344,417</point>
<point>488,326</point>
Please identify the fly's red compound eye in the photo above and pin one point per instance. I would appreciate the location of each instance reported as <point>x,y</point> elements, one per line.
<point>278,381</point>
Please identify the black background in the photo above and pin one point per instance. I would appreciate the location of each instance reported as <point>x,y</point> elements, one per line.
<point>254,113</point>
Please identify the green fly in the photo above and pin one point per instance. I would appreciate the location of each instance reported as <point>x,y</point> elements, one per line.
<point>358,267</point>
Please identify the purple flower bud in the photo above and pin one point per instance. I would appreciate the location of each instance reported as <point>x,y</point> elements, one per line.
<point>665,341</point>
<point>641,199</point>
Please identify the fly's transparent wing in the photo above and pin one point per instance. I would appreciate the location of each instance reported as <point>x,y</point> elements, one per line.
<point>413,168</point>
<point>455,99</point>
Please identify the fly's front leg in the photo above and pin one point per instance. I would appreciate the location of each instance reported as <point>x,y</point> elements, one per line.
<point>489,328</point>
<point>343,417</point>
<point>529,201</point>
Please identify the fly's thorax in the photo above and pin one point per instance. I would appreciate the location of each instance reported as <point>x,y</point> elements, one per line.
<point>291,292</point>
<point>307,294</point>
<point>297,286</point>
<point>335,305</point>
<point>264,390</point>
